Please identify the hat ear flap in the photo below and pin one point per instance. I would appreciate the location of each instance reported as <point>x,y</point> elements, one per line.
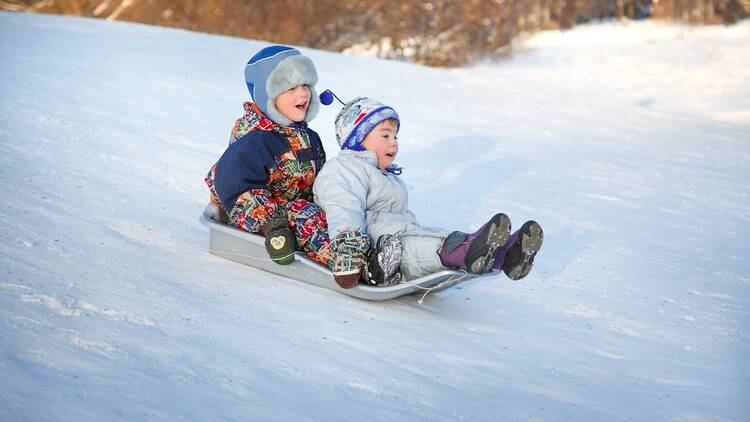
<point>274,113</point>
<point>312,109</point>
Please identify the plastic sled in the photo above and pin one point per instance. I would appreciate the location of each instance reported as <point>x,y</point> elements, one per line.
<point>248,248</point>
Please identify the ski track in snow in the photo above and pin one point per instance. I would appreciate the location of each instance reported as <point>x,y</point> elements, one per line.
<point>628,142</point>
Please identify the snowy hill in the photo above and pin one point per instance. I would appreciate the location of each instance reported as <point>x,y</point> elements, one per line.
<point>629,143</point>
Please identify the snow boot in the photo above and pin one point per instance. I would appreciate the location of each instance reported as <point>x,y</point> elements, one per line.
<point>476,252</point>
<point>382,268</point>
<point>520,256</point>
<point>280,241</point>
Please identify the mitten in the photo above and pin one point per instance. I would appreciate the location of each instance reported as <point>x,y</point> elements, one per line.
<point>348,257</point>
<point>280,241</point>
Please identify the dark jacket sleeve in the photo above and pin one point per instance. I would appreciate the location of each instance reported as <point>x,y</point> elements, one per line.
<point>245,166</point>
<point>317,146</point>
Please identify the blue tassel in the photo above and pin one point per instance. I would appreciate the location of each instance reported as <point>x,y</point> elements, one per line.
<point>395,170</point>
<point>327,96</point>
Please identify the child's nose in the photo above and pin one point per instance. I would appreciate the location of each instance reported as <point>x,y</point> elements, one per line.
<point>301,90</point>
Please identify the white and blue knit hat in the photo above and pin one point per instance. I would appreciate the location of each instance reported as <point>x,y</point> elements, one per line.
<point>358,118</point>
<point>275,69</point>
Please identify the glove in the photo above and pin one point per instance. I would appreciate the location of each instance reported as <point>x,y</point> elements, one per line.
<point>348,258</point>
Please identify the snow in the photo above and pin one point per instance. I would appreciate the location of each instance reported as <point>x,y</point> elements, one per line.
<point>628,142</point>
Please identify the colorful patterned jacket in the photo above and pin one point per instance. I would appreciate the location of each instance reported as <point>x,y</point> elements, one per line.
<point>274,164</point>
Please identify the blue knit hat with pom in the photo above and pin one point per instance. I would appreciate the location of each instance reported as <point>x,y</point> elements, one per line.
<point>276,69</point>
<point>358,118</point>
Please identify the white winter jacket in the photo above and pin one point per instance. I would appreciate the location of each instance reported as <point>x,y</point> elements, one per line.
<point>358,196</point>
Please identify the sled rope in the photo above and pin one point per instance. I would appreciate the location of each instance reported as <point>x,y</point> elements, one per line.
<point>257,258</point>
<point>441,284</point>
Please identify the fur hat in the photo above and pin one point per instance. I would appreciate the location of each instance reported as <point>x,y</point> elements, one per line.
<point>275,69</point>
<point>358,118</point>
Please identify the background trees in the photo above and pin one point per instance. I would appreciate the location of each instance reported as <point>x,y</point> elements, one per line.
<point>434,32</point>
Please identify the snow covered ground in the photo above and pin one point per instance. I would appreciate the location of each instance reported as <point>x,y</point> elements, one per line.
<point>629,143</point>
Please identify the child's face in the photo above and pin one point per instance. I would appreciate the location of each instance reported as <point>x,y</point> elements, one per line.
<point>384,142</point>
<point>294,102</point>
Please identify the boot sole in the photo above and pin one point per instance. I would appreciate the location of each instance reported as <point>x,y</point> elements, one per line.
<point>481,254</point>
<point>531,243</point>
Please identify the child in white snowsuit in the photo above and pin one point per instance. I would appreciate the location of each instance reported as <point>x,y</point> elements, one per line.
<point>373,233</point>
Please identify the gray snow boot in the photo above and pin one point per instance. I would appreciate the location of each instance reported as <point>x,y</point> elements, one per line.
<point>383,261</point>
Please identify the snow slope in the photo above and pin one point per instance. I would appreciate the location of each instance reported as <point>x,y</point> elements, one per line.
<point>629,143</point>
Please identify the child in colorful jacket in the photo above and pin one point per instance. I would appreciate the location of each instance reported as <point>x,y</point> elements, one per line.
<point>263,181</point>
<point>366,204</point>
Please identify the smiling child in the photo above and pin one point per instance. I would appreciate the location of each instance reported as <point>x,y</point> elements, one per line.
<point>263,181</point>
<point>373,234</point>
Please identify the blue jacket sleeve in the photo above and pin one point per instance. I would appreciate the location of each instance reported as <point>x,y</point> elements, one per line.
<point>245,165</point>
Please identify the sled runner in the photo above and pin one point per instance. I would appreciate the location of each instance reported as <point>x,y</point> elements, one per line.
<point>247,248</point>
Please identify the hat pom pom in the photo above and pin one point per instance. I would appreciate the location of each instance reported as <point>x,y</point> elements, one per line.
<point>327,96</point>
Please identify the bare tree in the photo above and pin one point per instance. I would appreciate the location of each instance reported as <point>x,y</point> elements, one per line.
<point>432,32</point>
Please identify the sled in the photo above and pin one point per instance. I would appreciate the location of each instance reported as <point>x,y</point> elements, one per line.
<point>249,249</point>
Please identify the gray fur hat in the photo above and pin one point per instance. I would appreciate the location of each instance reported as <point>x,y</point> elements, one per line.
<point>275,69</point>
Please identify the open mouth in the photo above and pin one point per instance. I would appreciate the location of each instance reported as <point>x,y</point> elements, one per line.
<point>302,106</point>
